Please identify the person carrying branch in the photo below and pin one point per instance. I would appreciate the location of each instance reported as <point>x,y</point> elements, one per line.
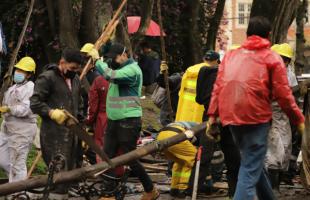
<point>19,124</point>
<point>124,110</point>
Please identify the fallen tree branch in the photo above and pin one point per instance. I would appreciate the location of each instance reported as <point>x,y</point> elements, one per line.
<point>89,171</point>
<point>105,36</point>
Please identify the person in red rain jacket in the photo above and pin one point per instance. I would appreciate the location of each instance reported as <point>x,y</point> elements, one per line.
<point>249,78</point>
<point>96,115</point>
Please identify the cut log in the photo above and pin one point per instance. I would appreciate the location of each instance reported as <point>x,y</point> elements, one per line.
<point>89,171</point>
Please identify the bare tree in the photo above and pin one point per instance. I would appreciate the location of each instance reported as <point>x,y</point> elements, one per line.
<point>214,24</point>
<point>301,18</point>
<point>194,36</point>
<point>67,33</point>
<point>88,22</point>
<point>281,14</point>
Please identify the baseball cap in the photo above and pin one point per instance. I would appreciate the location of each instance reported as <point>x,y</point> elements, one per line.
<point>212,55</point>
<point>115,49</point>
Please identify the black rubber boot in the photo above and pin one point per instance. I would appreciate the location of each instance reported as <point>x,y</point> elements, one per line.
<point>274,176</point>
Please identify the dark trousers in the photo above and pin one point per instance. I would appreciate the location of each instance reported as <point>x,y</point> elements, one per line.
<point>205,161</point>
<point>232,159</point>
<point>123,134</point>
<point>231,155</point>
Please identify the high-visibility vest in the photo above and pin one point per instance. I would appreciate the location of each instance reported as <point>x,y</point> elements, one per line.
<point>188,109</point>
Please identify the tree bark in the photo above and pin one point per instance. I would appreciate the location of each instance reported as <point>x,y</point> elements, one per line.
<point>121,34</point>
<point>67,33</point>
<point>85,172</point>
<point>146,16</point>
<point>44,34</point>
<point>281,14</point>
<point>104,15</point>
<point>300,61</point>
<point>51,15</point>
<point>214,24</point>
<point>193,33</point>
<point>286,13</point>
<point>146,9</point>
<point>88,28</point>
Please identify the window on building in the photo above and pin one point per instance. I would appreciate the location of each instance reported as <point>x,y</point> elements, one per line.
<point>244,10</point>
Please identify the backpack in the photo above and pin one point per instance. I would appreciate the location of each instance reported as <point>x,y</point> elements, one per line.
<point>159,96</point>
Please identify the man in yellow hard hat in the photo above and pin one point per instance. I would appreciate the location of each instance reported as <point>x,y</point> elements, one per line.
<point>58,89</point>
<point>87,48</point>
<point>19,124</point>
<point>280,135</point>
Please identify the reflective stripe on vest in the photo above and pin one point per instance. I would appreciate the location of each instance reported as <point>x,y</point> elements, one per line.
<point>181,174</point>
<point>189,97</point>
<point>191,83</point>
<point>124,102</point>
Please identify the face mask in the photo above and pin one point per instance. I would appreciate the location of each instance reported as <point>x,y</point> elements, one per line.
<point>70,74</point>
<point>18,77</point>
<point>114,64</point>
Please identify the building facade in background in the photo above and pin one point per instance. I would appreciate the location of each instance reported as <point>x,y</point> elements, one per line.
<point>237,15</point>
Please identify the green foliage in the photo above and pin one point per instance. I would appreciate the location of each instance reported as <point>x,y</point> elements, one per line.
<point>40,167</point>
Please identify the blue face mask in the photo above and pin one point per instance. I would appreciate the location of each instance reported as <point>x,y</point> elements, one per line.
<point>18,77</point>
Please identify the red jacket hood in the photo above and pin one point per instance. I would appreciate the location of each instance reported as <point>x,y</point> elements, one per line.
<point>255,42</point>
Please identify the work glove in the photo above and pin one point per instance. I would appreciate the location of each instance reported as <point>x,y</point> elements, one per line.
<point>213,130</point>
<point>163,67</point>
<point>94,54</point>
<point>4,109</point>
<point>59,116</point>
<point>301,128</point>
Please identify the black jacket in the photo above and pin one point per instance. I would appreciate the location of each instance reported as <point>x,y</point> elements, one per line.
<point>51,92</point>
<point>150,67</point>
<point>205,81</point>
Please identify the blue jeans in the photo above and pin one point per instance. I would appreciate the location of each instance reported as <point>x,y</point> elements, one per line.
<point>252,179</point>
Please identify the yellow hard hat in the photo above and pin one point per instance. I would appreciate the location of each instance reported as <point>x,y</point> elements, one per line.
<point>283,50</point>
<point>87,48</point>
<point>26,64</point>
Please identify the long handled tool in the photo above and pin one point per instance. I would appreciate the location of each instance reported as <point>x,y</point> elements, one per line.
<point>164,58</point>
<point>35,162</point>
<point>194,196</point>
<point>73,124</point>
<point>105,36</point>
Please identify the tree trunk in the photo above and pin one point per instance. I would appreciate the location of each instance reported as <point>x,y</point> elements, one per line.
<point>104,15</point>
<point>67,33</point>
<point>300,61</point>
<point>88,28</point>
<point>194,36</point>
<point>264,8</point>
<point>286,13</point>
<point>214,24</point>
<point>51,15</point>
<point>146,17</point>
<point>281,14</point>
<point>121,34</point>
<point>44,34</point>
